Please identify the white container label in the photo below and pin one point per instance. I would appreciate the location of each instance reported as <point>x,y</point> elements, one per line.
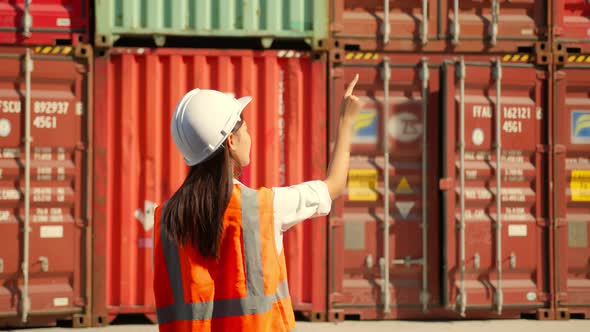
<point>517,230</point>
<point>63,22</point>
<point>61,302</point>
<point>52,232</point>
<point>526,32</point>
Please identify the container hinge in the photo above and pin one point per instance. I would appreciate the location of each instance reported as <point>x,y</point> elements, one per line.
<point>407,261</point>
<point>512,260</point>
<point>424,73</point>
<point>44,263</point>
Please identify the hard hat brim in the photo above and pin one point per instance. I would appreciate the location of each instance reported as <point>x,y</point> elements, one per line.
<point>244,101</point>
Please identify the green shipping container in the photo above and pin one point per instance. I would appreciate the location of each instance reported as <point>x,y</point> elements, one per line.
<point>267,19</point>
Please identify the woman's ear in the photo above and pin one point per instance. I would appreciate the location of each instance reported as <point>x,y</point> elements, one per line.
<point>231,142</point>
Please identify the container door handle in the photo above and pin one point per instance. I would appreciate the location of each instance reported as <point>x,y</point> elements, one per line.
<point>456,27</point>
<point>386,74</point>
<point>424,26</point>
<point>498,78</point>
<point>385,26</point>
<point>25,301</point>
<point>462,298</point>
<point>27,19</point>
<point>425,77</point>
<point>494,22</point>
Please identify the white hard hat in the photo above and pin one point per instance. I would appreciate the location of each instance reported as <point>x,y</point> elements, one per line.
<point>202,121</point>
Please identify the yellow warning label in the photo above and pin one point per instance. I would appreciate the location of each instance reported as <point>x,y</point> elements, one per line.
<point>580,185</point>
<point>404,187</point>
<point>362,185</point>
<point>53,50</point>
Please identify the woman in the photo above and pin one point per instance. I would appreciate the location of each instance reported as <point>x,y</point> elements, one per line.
<point>218,258</point>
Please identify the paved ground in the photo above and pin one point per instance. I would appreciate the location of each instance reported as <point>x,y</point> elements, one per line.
<point>394,326</point>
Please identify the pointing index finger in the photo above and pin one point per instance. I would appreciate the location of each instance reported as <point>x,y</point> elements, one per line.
<point>351,86</point>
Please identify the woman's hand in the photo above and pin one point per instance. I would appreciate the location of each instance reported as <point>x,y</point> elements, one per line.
<point>351,104</point>
<point>338,170</point>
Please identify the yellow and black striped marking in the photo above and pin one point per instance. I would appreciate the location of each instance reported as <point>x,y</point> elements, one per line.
<point>518,57</point>
<point>361,56</point>
<point>578,58</point>
<point>54,50</point>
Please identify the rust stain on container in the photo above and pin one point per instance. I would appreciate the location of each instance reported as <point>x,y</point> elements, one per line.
<point>141,167</point>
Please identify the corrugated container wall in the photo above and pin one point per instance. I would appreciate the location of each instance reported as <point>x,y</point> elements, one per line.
<point>56,250</point>
<point>443,25</point>
<point>305,19</point>
<point>572,189</point>
<point>49,22</point>
<point>138,167</point>
<point>403,153</point>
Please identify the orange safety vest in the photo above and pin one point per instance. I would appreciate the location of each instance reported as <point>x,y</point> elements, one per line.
<point>245,290</point>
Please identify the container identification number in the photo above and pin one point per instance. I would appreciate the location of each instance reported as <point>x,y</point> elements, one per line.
<point>512,116</point>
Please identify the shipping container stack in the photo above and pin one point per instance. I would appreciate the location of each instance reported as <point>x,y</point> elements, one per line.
<point>465,101</point>
<point>271,50</point>
<point>45,162</point>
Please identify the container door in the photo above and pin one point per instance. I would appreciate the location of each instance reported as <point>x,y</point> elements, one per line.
<point>55,252</point>
<point>573,185</point>
<point>480,25</point>
<point>385,24</point>
<point>495,255</point>
<point>383,239</point>
<point>572,20</point>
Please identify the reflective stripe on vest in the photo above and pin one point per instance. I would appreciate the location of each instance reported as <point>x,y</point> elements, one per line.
<point>255,302</point>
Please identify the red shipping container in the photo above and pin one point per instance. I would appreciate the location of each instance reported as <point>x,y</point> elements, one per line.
<point>429,25</point>
<point>137,165</point>
<point>421,129</point>
<point>572,187</point>
<point>56,250</point>
<point>49,21</point>
<point>572,22</point>
<point>496,145</point>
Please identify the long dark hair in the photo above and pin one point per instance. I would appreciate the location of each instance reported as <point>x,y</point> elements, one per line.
<point>194,214</point>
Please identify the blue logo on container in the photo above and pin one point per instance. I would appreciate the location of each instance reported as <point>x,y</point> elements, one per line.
<point>580,127</point>
<point>365,127</point>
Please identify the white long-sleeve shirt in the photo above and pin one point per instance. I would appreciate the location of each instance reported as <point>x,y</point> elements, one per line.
<point>296,203</point>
